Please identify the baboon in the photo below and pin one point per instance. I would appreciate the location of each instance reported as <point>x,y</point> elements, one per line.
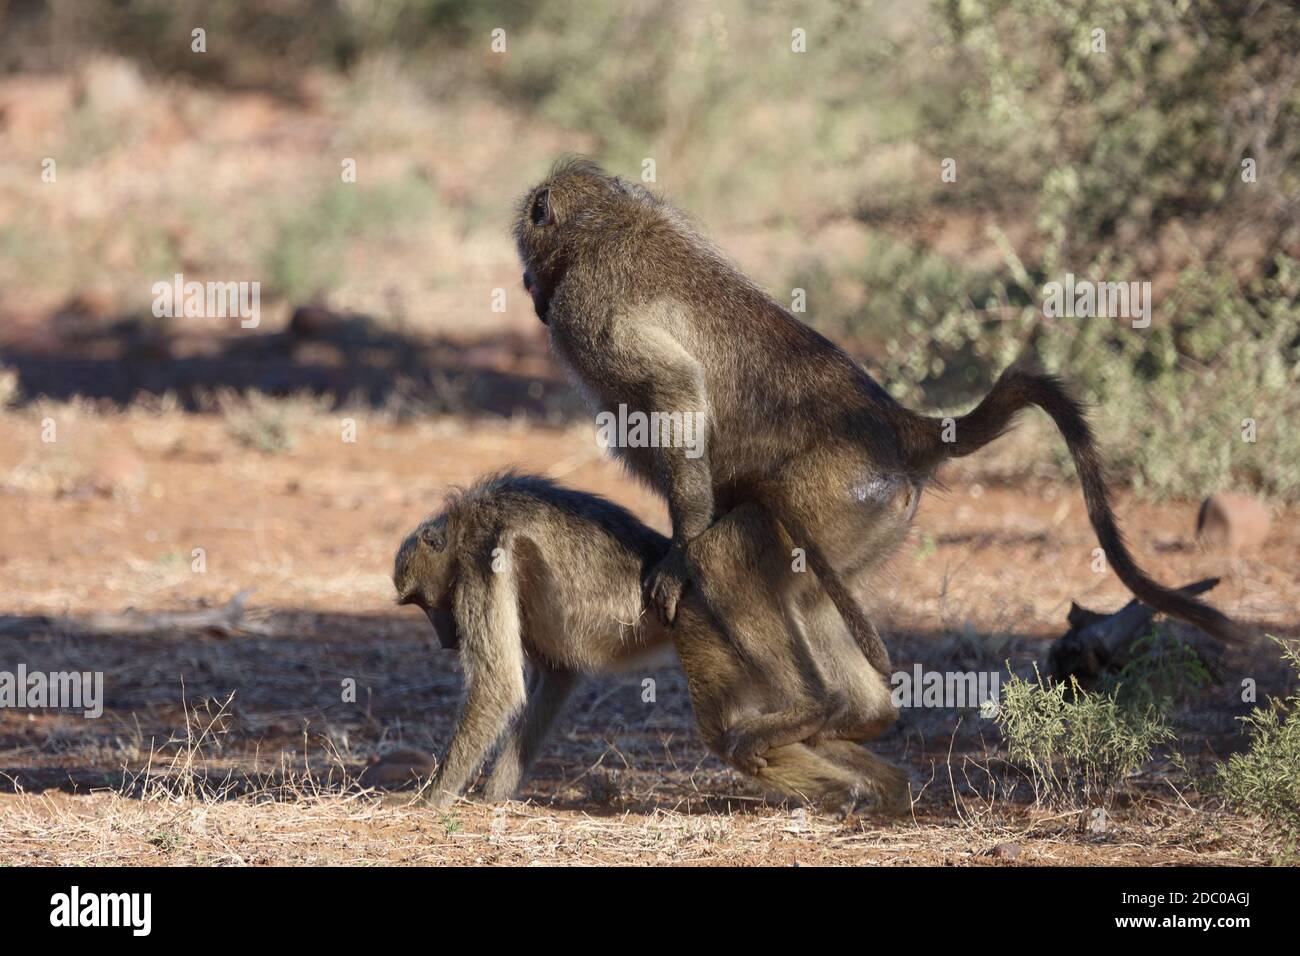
<point>802,446</point>
<point>518,567</point>
<point>503,574</point>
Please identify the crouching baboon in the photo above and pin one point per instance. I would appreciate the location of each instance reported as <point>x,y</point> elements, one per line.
<point>519,568</point>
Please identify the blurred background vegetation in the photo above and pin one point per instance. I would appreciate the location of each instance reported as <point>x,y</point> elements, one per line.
<point>818,170</point>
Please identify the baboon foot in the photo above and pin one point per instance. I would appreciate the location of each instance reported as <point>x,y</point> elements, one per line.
<point>867,801</point>
<point>881,787</point>
<point>435,799</point>
<point>498,794</point>
<point>887,794</point>
<point>846,804</point>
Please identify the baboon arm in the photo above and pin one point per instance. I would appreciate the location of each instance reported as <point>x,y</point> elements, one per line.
<point>653,372</point>
<point>492,652</point>
<point>645,366</point>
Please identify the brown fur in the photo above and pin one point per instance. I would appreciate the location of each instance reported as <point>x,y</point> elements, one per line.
<point>646,313</point>
<point>496,573</point>
<point>567,598</point>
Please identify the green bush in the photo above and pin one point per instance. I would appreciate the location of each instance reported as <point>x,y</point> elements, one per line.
<point>1117,117</point>
<point>1170,403</point>
<point>1077,747</point>
<point>1128,163</point>
<point>1265,780</point>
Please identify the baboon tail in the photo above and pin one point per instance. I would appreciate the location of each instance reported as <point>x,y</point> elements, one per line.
<point>1017,389</point>
<point>864,632</point>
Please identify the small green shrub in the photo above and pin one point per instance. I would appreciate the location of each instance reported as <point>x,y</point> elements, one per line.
<point>1075,750</point>
<point>1265,780</point>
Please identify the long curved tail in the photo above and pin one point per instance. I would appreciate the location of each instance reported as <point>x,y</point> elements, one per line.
<point>1016,390</point>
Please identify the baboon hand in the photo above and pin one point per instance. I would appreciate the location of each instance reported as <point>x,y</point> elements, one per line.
<point>665,585</point>
<point>837,706</point>
<point>741,750</point>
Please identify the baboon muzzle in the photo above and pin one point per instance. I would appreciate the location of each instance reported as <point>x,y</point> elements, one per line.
<point>445,625</point>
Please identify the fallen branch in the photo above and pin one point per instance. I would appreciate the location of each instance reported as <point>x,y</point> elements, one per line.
<point>1098,644</point>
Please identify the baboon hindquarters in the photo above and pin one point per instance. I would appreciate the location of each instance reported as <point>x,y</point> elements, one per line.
<point>780,688</point>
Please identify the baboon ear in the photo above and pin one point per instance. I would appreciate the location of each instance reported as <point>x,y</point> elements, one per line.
<point>635,190</point>
<point>434,537</point>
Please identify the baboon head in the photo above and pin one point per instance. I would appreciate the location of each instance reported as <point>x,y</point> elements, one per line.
<point>424,574</point>
<point>579,209</point>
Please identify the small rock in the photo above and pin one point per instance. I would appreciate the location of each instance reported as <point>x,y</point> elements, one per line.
<point>1098,821</point>
<point>1232,522</point>
<point>397,769</point>
<point>312,321</point>
<point>1006,851</point>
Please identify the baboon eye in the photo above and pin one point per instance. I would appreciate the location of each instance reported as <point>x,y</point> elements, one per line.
<point>540,213</point>
<point>434,537</point>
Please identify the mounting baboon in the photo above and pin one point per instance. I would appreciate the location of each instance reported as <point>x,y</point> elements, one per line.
<point>519,567</point>
<point>647,314</point>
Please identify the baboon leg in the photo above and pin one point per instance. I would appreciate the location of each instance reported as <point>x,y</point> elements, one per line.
<point>720,684</point>
<point>548,692</point>
<point>867,712</point>
<point>742,643</point>
<point>742,572</point>
<point>489,708</point>
<point>745,645</point>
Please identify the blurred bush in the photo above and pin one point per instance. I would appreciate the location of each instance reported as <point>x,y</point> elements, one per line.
<point>1130,160</point>
<point>263,43</point>
<point>305,252</point>
<point>1265,779</point>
